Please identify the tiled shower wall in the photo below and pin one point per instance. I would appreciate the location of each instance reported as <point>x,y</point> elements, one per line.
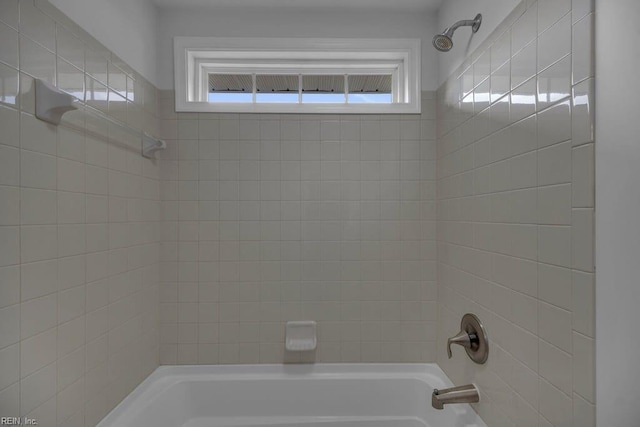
<point>515,216</point>
<point>79,226</point>
<point>270,218</point>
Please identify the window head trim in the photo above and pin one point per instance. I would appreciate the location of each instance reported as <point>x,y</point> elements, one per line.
<point>196,57</point>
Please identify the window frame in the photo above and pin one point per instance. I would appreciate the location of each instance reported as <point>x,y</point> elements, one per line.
<point>196,57</point>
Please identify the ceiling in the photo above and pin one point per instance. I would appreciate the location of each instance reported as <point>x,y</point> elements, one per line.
<point>307,4</point>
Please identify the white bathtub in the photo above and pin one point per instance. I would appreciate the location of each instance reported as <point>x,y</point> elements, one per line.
<point>292,396</point>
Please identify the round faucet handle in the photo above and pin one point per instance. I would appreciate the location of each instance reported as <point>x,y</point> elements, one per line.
<point>472,337</point>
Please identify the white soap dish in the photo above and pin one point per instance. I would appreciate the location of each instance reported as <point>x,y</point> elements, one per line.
<point>301,335</point>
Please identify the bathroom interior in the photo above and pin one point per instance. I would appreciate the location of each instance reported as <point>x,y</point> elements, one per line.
<point>319,213</point>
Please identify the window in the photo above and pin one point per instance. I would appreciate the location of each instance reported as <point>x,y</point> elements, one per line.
<point>297,76</point>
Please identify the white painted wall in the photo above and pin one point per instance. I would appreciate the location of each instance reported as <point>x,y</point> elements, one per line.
<point>244,22</point>
<point>618,213</point>
<point>129,28</point>
<point>464,41</point>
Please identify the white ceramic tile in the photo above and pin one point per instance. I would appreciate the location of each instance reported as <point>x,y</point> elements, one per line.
<point>37,388</point>
<point>330,130</point>
<point>71,304</point>
<point>269,130</point>
<point>9,365</point>
<point>584,413</point>
<point>38,315</point>
<point>523,173</point>
<point>583,303</point>
<point>72,271</point>
<point>583,49</point>
<point>554,43</point>
<point>70,401</point>
<point>554,124</point>
<point>96,295</point>
<point>71,336</point>
<point>482,67</point>
<point>36,25</point>
<point>9,245</point>
<point>580,8</point>
<point>10,13</point>
<point>584,366</point>
<point>10,290</point>
<point>524,64</point>
<point>555,164</point>
<point>554,83</point>
<point>9,166</point>
<point>38,242</point>
<point>187,129</point>
<point>37,352</point>
<point>519,275</point>
<point>525,311</point>
<point>72,240</point>
<point>554,245</point>
<point>550,11</point>
<point>554,326</point>
<point>10,326</point>
<point>71,368</point>
<point>500,51</point>
<point>95,64</point>
<point>96,355</point>
<point>10,399</point>
<point>38,279</point>
<point>501,82</point>
<point>9,119</point>
<point>482,96</point>
<point>523,100</point>
<point>583,176</point>
<point>583,241</point>
<point>27,99</point>
<point>96,152</point>
<point>71,208</point>
<point>8,45</point>
<point>9,78</point>
<point>555,406</point>
<point>555,286</point>
<point>229,129</point>
<point>69,47</point>
<point>37,170</point>
<point>9,206</point>
<point>71,175</point>
<point>38,207</point>
<point>37,61</point>
<point>524,30</point>
<point>554,205</point>
<point>583,117</point>
<point>556,366</point>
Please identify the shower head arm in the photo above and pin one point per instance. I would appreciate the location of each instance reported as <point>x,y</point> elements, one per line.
<point>473,23</point>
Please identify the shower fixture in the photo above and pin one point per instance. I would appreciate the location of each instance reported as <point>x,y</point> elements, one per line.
<point>444,41</point>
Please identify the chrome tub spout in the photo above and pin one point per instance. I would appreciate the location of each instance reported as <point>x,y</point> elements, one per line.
<point>463,394</point>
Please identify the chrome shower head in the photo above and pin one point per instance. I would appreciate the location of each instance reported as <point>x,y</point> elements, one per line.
<point>444,41</point>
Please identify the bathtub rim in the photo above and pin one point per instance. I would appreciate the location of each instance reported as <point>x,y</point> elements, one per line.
<point>165,376</point>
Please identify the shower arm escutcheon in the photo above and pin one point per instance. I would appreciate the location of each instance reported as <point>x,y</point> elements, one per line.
<point>472,337</point>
